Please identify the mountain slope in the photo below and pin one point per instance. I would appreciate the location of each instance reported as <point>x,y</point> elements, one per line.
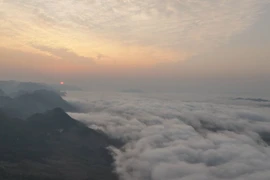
<point>53,146</point>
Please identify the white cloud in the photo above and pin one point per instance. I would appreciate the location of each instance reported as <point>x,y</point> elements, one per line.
<point>171,139</point>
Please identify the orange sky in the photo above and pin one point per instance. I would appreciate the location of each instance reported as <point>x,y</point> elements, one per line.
<point>126,37</point>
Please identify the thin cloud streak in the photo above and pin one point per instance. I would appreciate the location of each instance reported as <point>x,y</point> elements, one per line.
<point>65,54</point>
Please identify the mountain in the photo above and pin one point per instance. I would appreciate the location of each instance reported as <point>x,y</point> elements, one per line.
<point>53,146</point>
<point>12,88</point>
<point>35,102</point>
<point>2,93</point>
<point>39,141</point>
<point>16,88</point>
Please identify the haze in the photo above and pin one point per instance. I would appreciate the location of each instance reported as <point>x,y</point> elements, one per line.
<point>166,45</point>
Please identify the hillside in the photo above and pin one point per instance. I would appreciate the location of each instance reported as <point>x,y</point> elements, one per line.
<point>53,146</point>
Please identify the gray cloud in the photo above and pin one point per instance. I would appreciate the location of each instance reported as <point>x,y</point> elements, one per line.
<point>171,139</point>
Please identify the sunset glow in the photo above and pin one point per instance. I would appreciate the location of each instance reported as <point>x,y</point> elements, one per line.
<point>120,38</point>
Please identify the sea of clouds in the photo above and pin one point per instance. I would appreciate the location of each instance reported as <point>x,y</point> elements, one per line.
<point>171,139</point>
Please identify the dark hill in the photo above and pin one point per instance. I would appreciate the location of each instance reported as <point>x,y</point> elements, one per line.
<point>53,146</point>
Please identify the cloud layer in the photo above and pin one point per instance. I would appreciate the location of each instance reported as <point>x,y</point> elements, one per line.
<point>173,140</point>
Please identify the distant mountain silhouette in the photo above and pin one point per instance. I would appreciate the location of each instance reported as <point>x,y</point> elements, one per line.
<point>53,146</point>
<point>16,88</point>
<point>2,93</point>
<point>11,88</point>
<point>35,102</point>
<point>252,99</point>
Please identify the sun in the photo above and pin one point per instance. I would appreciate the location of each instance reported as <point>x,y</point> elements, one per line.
<point>62,83</point>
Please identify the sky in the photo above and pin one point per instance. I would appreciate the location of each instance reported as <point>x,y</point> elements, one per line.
<point>137,43</point>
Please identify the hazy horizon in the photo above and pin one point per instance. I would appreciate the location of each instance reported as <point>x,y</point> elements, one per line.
<point>168,46</point>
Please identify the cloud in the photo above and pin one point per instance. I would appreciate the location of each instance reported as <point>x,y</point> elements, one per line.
<point>65,54</point>
<point>171,139</point>
<point>181,25</point>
